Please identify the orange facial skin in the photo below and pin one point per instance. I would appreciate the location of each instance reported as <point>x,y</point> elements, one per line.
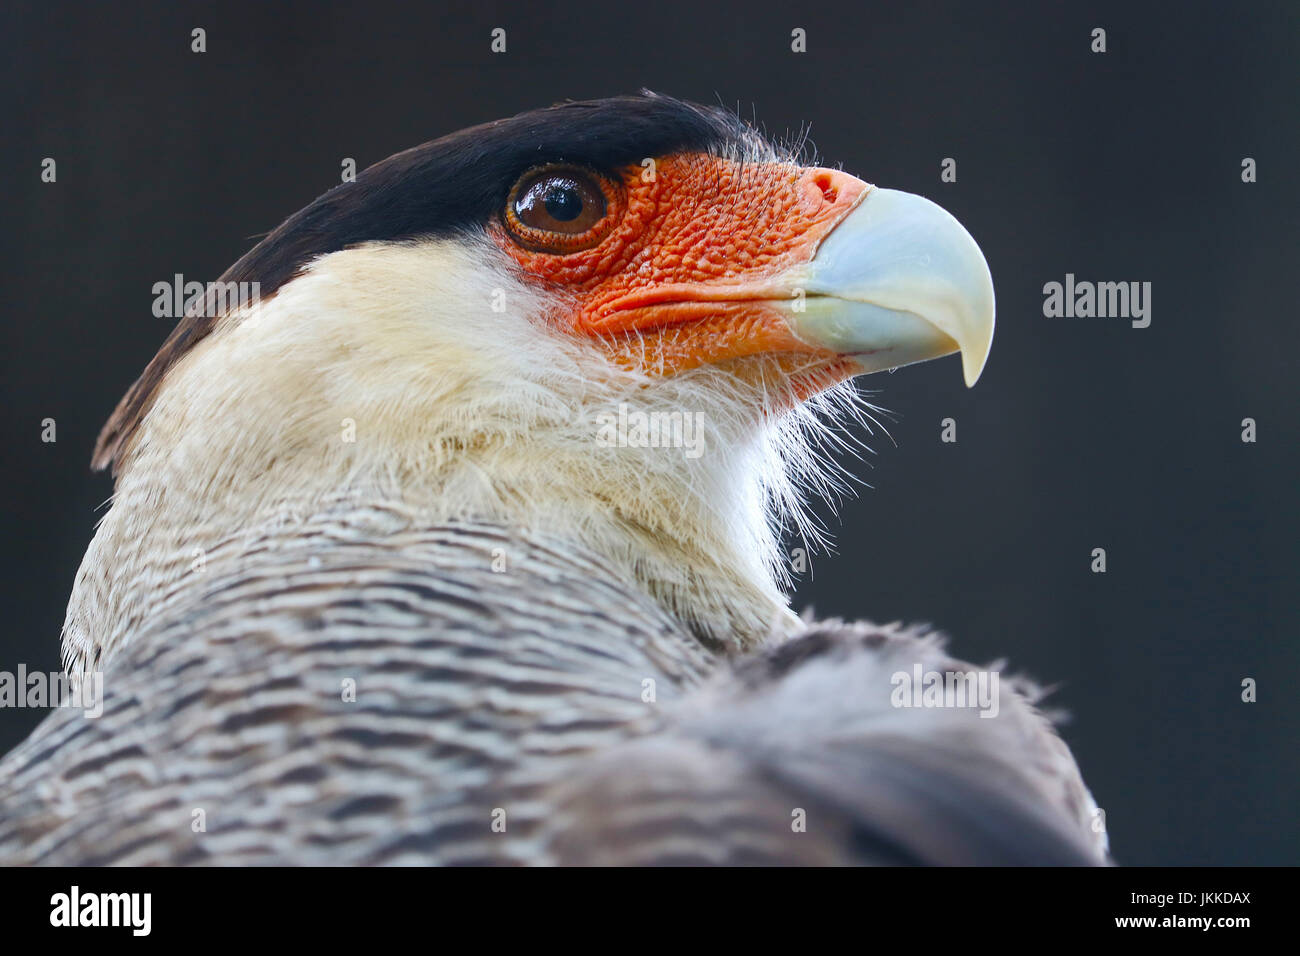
<point>687,273</point>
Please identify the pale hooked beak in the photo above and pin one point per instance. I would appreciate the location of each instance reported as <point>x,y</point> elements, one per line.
<point>897,281</point>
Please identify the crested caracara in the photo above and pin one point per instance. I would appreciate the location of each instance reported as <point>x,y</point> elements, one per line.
<point>461,542</point>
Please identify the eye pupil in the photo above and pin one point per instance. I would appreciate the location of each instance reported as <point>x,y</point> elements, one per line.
<point>563,204</point>
<point>560,208</point>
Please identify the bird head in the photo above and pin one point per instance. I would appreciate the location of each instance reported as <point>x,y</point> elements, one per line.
<point>616,320</point>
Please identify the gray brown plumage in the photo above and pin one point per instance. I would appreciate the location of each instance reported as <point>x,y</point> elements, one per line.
<point>478,690</point>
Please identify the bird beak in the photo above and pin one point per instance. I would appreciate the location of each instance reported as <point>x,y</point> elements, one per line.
<point>898,280</point>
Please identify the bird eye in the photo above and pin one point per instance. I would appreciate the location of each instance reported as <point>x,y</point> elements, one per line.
<point>560,209</point>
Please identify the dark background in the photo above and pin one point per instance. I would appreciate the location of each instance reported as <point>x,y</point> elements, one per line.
<point>1082,433</point>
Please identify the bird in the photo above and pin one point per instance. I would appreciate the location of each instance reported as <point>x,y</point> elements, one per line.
<point>461,543</point>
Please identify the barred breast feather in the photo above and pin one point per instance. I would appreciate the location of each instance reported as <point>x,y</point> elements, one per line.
<point>477,694</point>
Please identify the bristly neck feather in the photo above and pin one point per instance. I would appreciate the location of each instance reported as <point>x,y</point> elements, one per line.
<point>386,376</point>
